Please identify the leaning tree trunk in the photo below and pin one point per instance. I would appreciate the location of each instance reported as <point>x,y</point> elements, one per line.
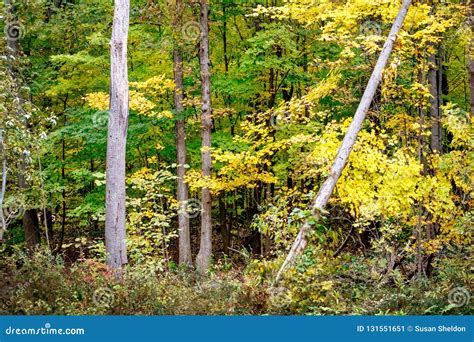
<point>205,248</point>
<point>117,138</point>
<point>180,140</point>
<point>348,142</point>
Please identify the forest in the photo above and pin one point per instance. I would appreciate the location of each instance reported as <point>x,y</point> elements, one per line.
<point>236,157</point>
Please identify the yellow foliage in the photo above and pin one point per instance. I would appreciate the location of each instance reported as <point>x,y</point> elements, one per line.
<point>141,97</point>
<point>156,85</point>
<point>98,100</point>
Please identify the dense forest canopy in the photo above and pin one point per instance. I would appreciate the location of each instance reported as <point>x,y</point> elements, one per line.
<point>168,152</point>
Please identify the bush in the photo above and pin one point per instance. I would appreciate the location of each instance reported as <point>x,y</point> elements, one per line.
<point>44,284</point>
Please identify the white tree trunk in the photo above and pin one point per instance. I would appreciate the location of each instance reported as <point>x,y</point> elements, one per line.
<point>205,249</point>
<point>117,138</point>
<point>347,144</point>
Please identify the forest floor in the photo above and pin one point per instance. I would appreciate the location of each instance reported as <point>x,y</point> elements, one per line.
<point>44,285</point>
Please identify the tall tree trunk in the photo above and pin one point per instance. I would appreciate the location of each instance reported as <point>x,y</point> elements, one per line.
<point>4,186</point>
<point>471,82</point>
<point>63,177</point>
<point>30,219</point>
<point>205,249</point>
<point>319,203</point>
<point>180,140</point>
<point>225,230</point>
<point>267,241</point>
<point>115,233</point>
<point>470,59</point>
<point>224,37</point>
<point>435,111</point>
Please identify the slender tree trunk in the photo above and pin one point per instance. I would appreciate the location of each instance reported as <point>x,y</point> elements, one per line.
<point>348,142</point>
<point>471,80</point>
<point>434,104</point>
<point>4,186</point>
<point>205,250</point>
<point>224,37</point>
<point>267,241</point>
<point>180,140</point>
<point>43,206</point>
<point>115,231</point>
<point>271,88</point>
<point>225,231</point>
<point>470,59</point>
<point>63,204</point>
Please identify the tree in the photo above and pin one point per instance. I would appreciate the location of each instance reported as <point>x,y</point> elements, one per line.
<point>180,141</point>
<point>115,230</point>
<point>13,33</point>
<point>3,221</point>
<point>435,102</point>
<point>319,203</point>
<point>470,61</point>
<point>205,248</point>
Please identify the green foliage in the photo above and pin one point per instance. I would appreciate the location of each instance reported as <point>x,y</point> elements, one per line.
<point>44,284</point>
<point>286,80</point>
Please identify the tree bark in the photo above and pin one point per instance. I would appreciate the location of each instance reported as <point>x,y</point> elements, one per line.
<point>4,186</point>
<point>63,177</point>
<point>348,142</point>
<point>180,141</point>
<point>435,112</point>
<point>225,231</point>
<point>205,249</point>
<point>115,230</point>
<point>470,60</point>
<point>224,38</point>
<point>30,219</point>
